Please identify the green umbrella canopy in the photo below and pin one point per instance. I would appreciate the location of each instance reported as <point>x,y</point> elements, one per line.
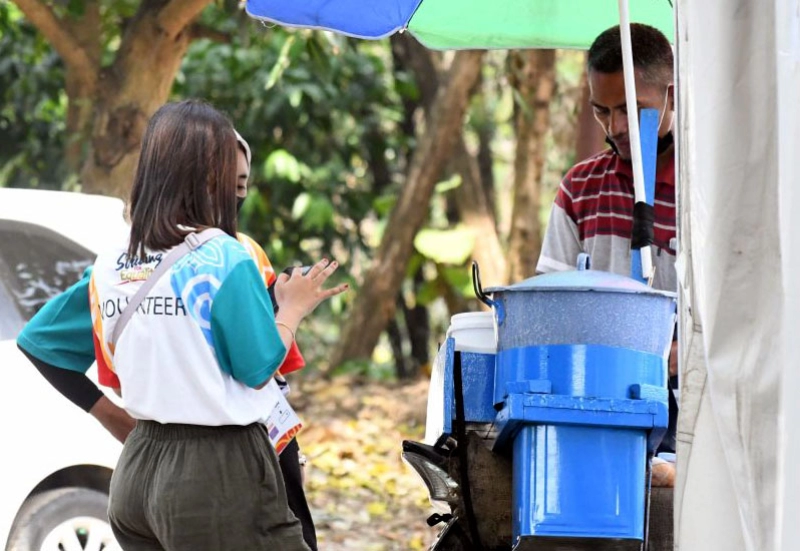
<point>445,24</point>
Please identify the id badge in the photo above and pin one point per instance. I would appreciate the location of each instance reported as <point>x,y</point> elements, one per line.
<point>282,422</point>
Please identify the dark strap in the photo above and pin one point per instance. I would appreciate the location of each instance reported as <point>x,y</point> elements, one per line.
<point>192,242</point>
<point>643,233</point>
<point>460,423</point>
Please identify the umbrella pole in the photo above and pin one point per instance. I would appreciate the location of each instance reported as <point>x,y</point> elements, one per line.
<point>633,123</point>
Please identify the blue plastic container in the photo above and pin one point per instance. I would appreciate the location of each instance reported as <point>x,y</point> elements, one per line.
<point>579,370</point>
<point>575,481</point>
<point>472,334</point>
<point>580,420</point>
<point>477,378</point>
<point>477,374</point>
<point>475,338</point>
<point>581,386</point>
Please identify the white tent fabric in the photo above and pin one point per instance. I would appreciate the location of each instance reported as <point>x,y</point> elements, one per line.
<point>739,178</point>
<point>787,33</point>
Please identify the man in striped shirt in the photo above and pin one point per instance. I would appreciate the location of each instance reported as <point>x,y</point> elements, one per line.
<point>593,209</point>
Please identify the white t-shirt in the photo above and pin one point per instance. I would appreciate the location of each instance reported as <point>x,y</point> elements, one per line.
<point>197,344</point>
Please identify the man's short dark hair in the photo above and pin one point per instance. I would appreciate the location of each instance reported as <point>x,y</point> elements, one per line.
<point>652,53</point>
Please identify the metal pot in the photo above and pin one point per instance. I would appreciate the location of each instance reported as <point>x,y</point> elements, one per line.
<point>580,307</point>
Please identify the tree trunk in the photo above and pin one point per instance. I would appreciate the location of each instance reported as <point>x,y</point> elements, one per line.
<point>375,303</point>
<point>486,163</point>
<point>79,87</point>
<point>590,137</point>
<point>475,206</point>
<point>533,73</point>
<point>396,343</point>
<point>476,213</point>
<point>113,104</point>
<point>131,90</point>
<point>418,327</point>
<point>416,318</point>
<point>80,107</point>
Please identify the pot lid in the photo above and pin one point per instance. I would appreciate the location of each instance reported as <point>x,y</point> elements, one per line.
<point>582,279</point>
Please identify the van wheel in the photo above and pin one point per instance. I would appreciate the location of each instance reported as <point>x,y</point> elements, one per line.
<point>63,519</point>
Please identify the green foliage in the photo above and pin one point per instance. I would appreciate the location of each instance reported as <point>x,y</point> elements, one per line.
<point>281,164</point>
<point>452,246</point>
<point>33,99</point>
<point>447,185</point>
<point>326,117</point>
<point>460,278</point>
<point>32,106</point>
<point>306,102</point>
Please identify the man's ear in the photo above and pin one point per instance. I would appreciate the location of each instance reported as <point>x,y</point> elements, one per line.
<point>671,96</point>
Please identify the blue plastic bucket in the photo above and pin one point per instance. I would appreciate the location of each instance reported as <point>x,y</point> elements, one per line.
<point>474,336</point>
<point>574,481</point>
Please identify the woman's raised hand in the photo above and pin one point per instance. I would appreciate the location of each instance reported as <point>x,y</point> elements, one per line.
<point>298,295</point>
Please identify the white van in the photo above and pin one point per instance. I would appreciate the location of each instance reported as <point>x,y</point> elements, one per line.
<point>57,459</point>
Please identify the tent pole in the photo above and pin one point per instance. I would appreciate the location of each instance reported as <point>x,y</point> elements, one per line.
<point>633,122</point>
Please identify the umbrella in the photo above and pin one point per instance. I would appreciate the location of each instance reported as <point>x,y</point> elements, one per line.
<point>466,24</point>
<point>484,24</point>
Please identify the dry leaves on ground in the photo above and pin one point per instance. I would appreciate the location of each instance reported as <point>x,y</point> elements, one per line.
<point>362,495</point>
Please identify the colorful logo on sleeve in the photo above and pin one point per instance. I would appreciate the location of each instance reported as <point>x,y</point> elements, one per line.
<point>198,276</point>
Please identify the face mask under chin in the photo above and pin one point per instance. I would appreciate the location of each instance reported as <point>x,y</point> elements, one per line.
<point>664,143</point>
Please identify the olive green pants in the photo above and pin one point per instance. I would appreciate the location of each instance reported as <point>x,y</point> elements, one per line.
<point>191,488</point>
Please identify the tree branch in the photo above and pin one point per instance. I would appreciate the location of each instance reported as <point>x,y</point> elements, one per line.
<point>198,31</point>
<point>472,201</point>
<point>375,303</point>
<point>177,15</point>
<point>64,42</point>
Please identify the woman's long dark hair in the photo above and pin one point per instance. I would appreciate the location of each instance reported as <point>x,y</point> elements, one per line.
<point>186,177</point>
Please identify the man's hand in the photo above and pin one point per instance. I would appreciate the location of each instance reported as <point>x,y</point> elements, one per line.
<point>673,359</point>
<point>115,419</point>
<point>663,475</point>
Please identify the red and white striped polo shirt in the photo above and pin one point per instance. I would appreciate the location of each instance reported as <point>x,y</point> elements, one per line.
<point>593,213</point>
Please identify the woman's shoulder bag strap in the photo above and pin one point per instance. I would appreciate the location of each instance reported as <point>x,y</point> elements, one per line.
<point>192,242</point>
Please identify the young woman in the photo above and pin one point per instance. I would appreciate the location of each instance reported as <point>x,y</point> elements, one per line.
<point>59,342</point>
<point>198,471</point>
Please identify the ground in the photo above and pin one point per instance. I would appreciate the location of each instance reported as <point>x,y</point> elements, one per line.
<point>362,495</point>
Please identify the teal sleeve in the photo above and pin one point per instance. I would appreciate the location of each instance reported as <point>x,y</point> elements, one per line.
<point>60,333</point>
<point>246,339</point>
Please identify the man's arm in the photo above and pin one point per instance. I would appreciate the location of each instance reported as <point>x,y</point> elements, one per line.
<point>561,244</point>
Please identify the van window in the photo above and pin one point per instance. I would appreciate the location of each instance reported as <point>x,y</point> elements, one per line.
<point>36,264</point>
